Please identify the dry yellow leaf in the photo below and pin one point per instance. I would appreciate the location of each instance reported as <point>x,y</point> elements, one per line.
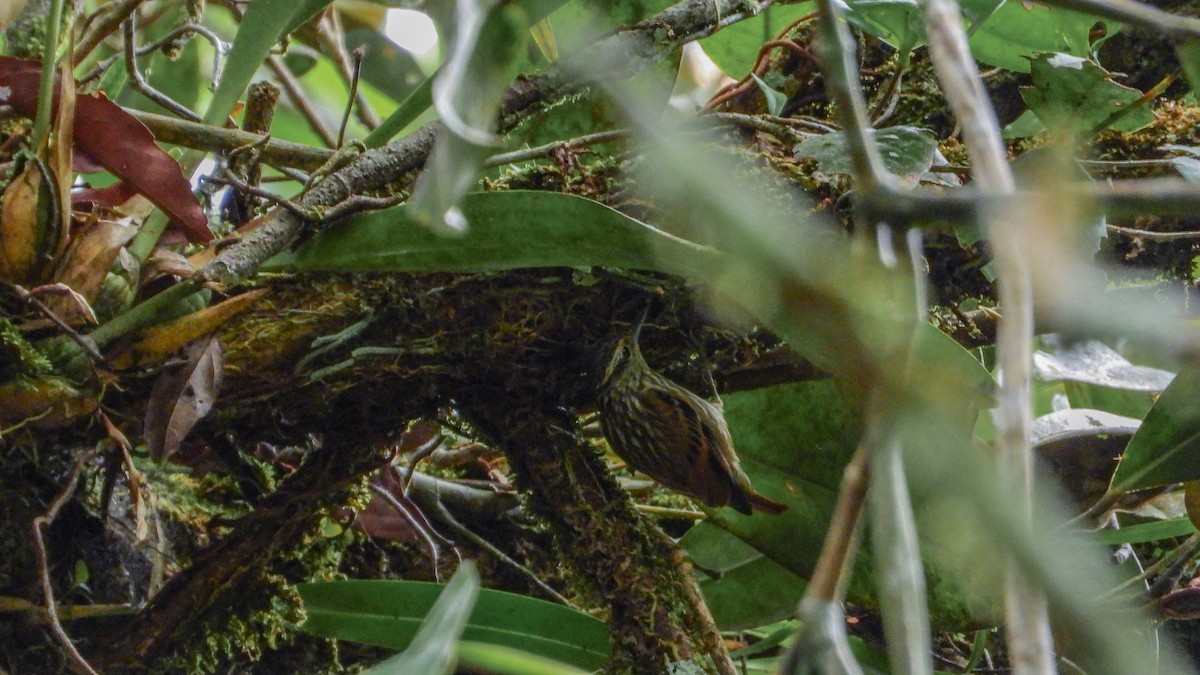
<point>158,342</point>
<point>19,227</point>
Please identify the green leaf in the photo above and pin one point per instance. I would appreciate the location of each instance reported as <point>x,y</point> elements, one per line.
<point>1073,93</point>
<point>576,26</point>
<point>489,38</point>
<point>264,23</point>
<point>1147,532</point>
<point>901,24</point>
<point>794,442</point>
<point>1020,30</point>
<point>1166,449</point>
<point>896,22</point>
<point>1188,52</point>
<point>388,613</point>
<point>775,99</point>
<point>735,48</point>
<point>906,151</point>
<point>499,660</point>
<point>510,230</point>
<point>432,648</point>
<point>1025,126</point>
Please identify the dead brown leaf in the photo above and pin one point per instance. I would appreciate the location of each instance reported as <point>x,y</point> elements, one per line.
<point>182,396</point>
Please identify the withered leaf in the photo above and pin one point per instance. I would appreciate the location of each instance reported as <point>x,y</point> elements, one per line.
<point>182,396</point>
<point>107,135</point>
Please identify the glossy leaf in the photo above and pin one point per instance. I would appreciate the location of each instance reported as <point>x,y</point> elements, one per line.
<point>432,649</point>
<point>1166,449</point>
<point>388,613</point>
<point>510,230</point>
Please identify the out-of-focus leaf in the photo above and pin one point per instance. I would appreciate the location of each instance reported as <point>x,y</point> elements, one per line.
<point>182,396</point>
<point>821,646</point>
<point>1073,93</point>
<point>1191,501</point>
<point>114,139</point>
<point>1188,52</point>
<point>489,37</point>
<point>1018,31</point>
<point>1098,377</point>
<point>1188,167</point>
<point>511,230</point>
<point>896,22</point>
<point>576,26</point>
<point>385,66</point>
<point>387,613</point>
<point>1146,532</point>
<point>735,48</point>
<point>432,649</point>
<point>1166,449</point>
<point>751,590</point>
<point>908,152</point>
<point>900,22</point>
<point>501,660</point>
<point>158,342</point>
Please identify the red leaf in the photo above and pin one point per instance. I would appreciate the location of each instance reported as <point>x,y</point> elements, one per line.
<point>113,138</point>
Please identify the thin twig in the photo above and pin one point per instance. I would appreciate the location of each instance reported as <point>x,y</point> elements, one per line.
<point>1137,13</point>
<point>1030,640</point>
<point>300,99</point>
<point>44,521</point>
<point>82,340</point>
<point>1152,235</point>
<point>139,83</point>
<point>330,36</point>
<point>549,149</point>
<point>179,31</point>
<point>353,98</point>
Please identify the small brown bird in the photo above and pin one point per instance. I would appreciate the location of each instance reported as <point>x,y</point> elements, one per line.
<point>671,434</point>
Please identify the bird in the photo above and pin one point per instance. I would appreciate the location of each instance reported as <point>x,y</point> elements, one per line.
<point>672,435</point>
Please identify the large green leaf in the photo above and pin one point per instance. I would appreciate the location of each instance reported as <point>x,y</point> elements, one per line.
<point>1019,30</point>
<point>1074,93</point>
<point>1166,449</point>
<point>432,649</point>
<point>388,614</point>
<point>735,48</point>
<point>793,441</point>
<point>509,230</point>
